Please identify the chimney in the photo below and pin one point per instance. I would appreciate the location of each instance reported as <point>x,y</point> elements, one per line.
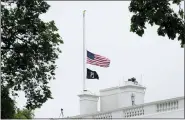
<point>88,103</point>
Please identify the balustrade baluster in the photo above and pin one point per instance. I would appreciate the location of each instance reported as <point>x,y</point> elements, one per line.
<point>169,106</point>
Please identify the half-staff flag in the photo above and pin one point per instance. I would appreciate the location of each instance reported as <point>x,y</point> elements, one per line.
<point>97,60</point>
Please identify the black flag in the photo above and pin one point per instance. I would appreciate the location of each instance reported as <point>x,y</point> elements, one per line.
<point>92,74</point>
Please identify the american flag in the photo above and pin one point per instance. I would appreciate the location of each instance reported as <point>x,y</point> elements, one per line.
<point>98,60</point>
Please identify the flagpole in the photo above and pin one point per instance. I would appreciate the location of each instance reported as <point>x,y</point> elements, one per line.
<point>84,53</point>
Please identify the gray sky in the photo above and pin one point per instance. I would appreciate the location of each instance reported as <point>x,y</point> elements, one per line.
<point>159,59</point>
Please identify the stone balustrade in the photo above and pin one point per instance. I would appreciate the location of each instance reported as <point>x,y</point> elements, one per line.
<point>167,106</point>
<point>140,111</point>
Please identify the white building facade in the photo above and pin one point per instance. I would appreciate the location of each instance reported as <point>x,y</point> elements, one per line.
<point>127,102</point>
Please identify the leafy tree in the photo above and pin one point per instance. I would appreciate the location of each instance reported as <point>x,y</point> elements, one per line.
<point>24,114</point>
<point>7,104</point>
<point>158,12</point>
<point>29,48</point>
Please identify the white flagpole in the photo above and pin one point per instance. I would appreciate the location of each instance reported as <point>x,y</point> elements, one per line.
<point>84,53</point>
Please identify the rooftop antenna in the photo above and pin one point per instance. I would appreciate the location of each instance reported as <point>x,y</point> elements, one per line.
<point>123,80</point>
<point>141,79</point>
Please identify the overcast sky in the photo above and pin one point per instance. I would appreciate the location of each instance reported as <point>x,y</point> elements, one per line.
<point>160,60</point>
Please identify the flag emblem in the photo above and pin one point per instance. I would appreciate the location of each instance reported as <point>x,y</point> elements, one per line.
<point>92,74</point>
<point>97,60</point>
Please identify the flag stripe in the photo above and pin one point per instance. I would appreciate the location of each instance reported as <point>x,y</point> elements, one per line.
<point>99,64</point>
<point>92,61</point>
<point>102,64</point>
<point>105,61</point>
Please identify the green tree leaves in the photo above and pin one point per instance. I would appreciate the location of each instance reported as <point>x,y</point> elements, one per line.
<point>24,114</point>
<point>7,104</point>
<point>158,12</point>
<point>29,48</point>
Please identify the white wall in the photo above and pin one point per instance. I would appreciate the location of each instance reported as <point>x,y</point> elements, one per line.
<point>181,104</point>
<point>126,92</point>
<point>88,106</point>
<point>118,97</point>
<point>88,103</point>
<point>108,100</point>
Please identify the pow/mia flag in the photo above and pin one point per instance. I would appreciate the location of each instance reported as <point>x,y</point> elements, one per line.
<point>92,74</point>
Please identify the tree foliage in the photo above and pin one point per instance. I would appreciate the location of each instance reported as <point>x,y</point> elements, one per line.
<point>24,114</point>
<point>29,48</point>
<point>160,13</point>
<point>7,104</point>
